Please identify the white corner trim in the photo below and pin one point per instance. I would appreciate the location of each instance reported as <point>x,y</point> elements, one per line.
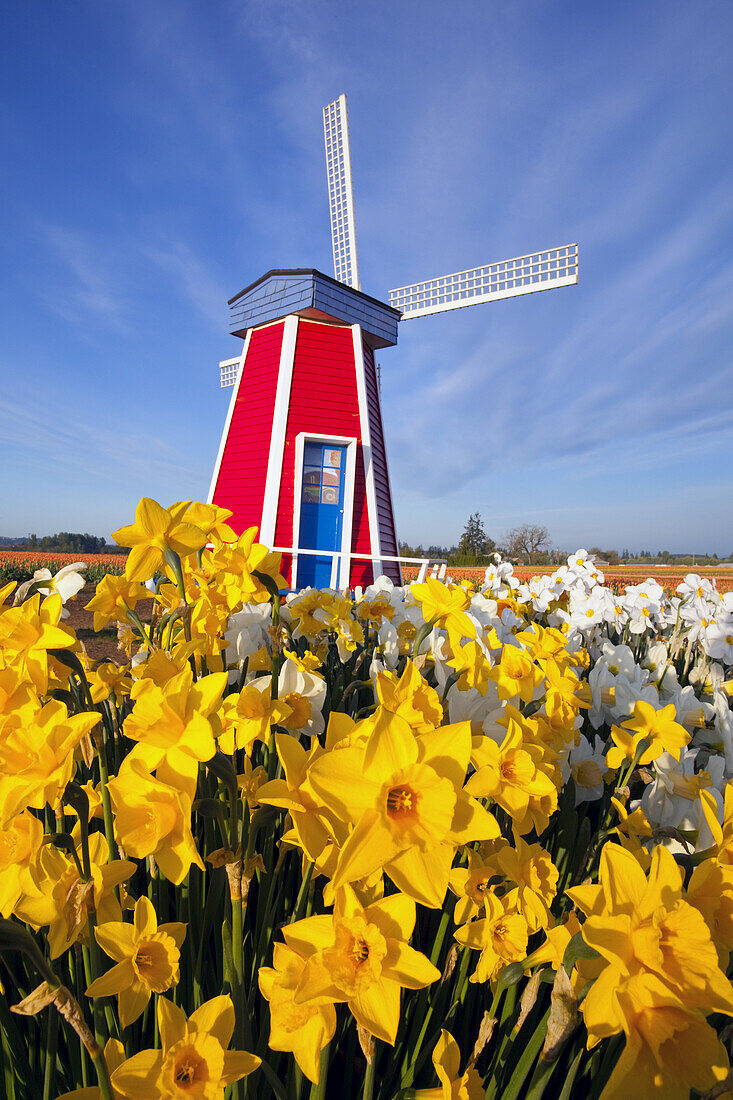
<point>349,441</point>
<point>230,414</point>
<point>277,435</point>
<point>366,447</point>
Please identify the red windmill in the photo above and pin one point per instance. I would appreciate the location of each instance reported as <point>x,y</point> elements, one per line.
<point>302,455</point>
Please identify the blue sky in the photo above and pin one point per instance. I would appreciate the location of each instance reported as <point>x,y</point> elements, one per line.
<point>157,157</point>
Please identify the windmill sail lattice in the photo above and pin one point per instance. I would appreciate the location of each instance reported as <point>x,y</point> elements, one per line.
<point>521,275</point>
<point>340,193</point>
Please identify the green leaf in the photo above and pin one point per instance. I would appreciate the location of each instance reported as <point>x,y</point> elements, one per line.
<point>268,583</point>
<point>577,949</point>
<point>71,661</point>
<point>510,975</point>
<point>13,937</point>
<point>221,766</point>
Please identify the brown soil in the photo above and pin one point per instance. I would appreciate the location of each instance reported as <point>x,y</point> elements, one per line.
<point>101,646</point>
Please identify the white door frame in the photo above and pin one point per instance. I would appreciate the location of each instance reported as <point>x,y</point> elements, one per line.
<point>341,567</point>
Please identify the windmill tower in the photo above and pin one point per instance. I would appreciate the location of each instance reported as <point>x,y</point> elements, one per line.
<point>302,454</point>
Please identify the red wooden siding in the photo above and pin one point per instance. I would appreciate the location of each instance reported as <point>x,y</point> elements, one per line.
<point>243,471</point>
<point>379,463</point>
<point>324,401</point>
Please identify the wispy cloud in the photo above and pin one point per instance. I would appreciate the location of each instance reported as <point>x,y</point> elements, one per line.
<point>52,437</point>
<point>203,289</point>
<point>80,283</point>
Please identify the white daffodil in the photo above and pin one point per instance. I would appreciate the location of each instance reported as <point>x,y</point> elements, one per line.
<point>305,694</point>
<point>499,580</point>
<point>673,799</point>
<point>585,763</point>
<point>247,631</point>
<point>66,582</point>
<point>717,641</point>
<point>695,586</point>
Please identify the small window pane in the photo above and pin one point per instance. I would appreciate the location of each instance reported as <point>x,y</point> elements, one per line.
<point>329,494</point>
<point>332,458</point>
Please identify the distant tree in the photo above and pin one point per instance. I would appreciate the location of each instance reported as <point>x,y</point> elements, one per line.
<point>474,541</point>
<point>611,556</point>
<point>527,541</point>
<point>72,542</point>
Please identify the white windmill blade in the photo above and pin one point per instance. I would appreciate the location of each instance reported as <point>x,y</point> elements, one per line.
<point>521,275</point>
<point>340,193</point>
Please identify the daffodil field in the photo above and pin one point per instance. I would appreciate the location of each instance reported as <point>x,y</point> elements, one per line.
<point>445,840</point>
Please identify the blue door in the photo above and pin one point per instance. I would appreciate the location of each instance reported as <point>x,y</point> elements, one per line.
<point>321,511</point>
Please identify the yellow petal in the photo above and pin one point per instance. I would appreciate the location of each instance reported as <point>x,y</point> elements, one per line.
<point>410,968</point>
<point>137,1077</point>
<point>171,1022</point>
<point>370,845</point>
<point>237,1064</point>
<point>146,920</point>
<point>377,1009</point>
<point>117,978</point>
<point>216,1017</point>
<point>132,1003</point>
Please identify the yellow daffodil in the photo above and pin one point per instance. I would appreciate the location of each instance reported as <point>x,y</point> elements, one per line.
<point>153,819</point>
<point>37,758</point>
<point>454,1085</point>
<point>471,883</point>
<point>114,597</point>
<point>657,727</point>
<point>27,633</point>
<point>109,681</point>
<point>20,844</point>
<point>302,1029</point>
<point>501,937</point>
<point>638,925</point>
<point>313,825</point>
<point>309,662</point>
<point>516,674</point>
<point>147,960</point>
<point>530,867</point>
<point>411,697</point>
<point>63,900</point>
<point>710,890</point>
<point>248,716</point>
<point>375,609</point>
<point>472,664</point>
<point>404,796</point>
<point>360,955</point>
<point>511,772</point>
<point>669,1050</point>
<point>194,1060</point>
<point>156,530</point>
<point>557,938</point>
<point>444,605</point>
<point>171,725</point>
<point>211,520</point>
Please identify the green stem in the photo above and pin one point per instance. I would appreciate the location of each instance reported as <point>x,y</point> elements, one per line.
<point>105,1085</point>
<point>370,1075</point>
<point>318,1092</point>
<point>49,1069</point>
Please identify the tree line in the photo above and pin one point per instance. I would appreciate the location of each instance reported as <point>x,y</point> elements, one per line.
<point>530,544</point>
<point>66,542</point>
